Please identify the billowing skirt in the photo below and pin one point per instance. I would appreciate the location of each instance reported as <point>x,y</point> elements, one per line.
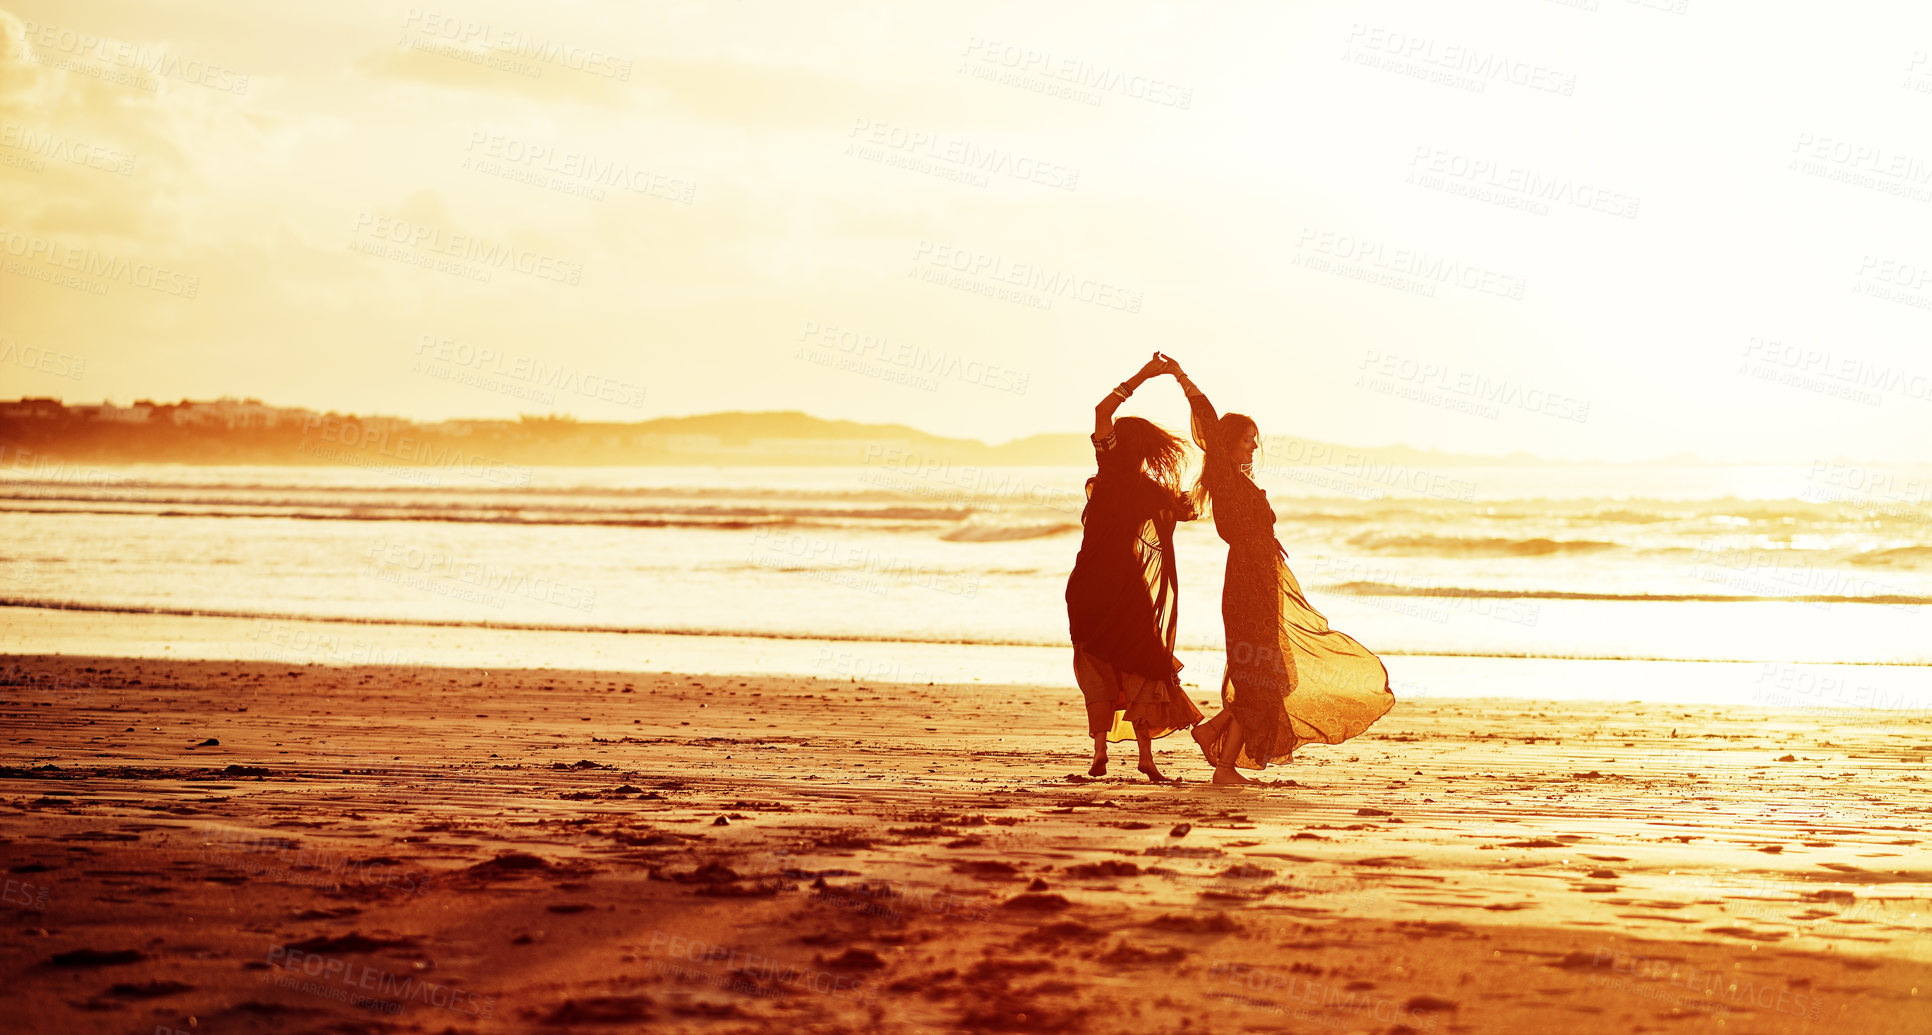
<point>1116,699</point>
<point>1290,679</point>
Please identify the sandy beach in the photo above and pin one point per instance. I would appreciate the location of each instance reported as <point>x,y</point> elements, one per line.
<point>216,846</point>
<point>580,518</point>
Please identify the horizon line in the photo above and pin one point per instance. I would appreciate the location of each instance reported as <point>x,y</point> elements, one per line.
<point>1517,457</point>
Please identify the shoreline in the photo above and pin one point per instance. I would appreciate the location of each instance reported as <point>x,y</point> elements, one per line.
<point>1824,688</point>
<point>503,849</point>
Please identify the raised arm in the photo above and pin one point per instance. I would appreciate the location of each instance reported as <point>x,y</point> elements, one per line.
<point>1200,410</point>
<point>1103,411</point>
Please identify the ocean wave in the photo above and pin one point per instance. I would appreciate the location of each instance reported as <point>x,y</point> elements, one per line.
<point>830,637</point>
<point>886,519</point>
<point>1388,589</point>
<point>990,532</point>
<point>804,507</point>
<point>1460,546</point>
<point>1899,556</point>
<point>81,489</point>
<point>370,515</point>
<point>922,496</point>
<point>1633,517</point>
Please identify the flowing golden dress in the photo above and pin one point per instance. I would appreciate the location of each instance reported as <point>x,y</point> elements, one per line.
<point>1123,602</point>
<point>1290,678</point>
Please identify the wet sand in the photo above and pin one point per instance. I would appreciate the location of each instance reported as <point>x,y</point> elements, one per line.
<point>218,846</point>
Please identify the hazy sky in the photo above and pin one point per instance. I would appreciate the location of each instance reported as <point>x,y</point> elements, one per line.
<point>1602,229</point>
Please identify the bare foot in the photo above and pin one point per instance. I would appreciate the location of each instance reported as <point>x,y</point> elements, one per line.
<point>1099,767</point>
<point>1153,772</point>
<point>1229,776</point>
<point>1206,744</point>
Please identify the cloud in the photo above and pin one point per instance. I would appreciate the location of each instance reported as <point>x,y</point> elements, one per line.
<point>452,66</point>
<point>19,77</point>
<point>745,94</point>
<point>92,154</point>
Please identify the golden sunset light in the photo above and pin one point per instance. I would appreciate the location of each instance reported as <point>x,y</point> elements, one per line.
<point>1613,213</point>
<point>572,517</point>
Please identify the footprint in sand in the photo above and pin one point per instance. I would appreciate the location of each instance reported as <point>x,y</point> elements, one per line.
<point>853,959</point>
<point>1037,902</point>
<point>95,958</point>
<point>987,869</point>
<point>1125,955</point>
<point>1213,923</point>
<point>149,990</point>
<point>353,942</point>
<point>1105,869</point>
<point>609,1009</point>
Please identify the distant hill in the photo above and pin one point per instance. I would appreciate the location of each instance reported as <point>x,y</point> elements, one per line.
<point>231,432</point>
<point>738,430</point>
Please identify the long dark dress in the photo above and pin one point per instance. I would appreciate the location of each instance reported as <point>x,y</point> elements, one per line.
<point>1290,678</point>
<point>1123,601</point>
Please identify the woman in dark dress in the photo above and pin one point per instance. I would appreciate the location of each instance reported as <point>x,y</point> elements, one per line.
<point>1122,598</point>
<point>1290,678</point>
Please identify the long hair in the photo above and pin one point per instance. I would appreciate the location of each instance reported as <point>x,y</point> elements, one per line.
<point>1218,468</point>
<point>1154,449</point>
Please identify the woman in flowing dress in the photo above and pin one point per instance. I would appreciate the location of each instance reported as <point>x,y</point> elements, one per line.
<point>1123,593</point>
<point>1290,679</point>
